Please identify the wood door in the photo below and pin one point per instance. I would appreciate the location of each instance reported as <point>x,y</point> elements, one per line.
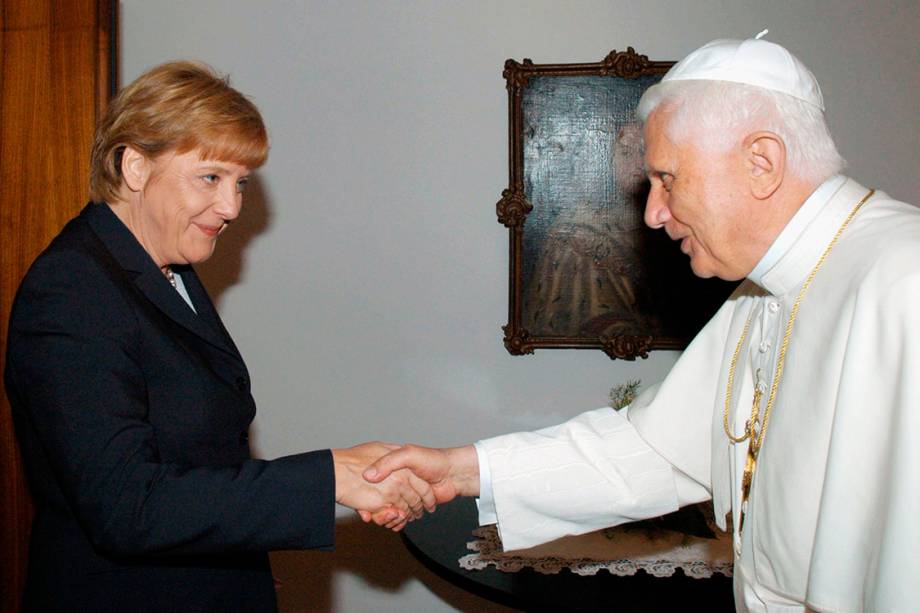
<point>56,78</point>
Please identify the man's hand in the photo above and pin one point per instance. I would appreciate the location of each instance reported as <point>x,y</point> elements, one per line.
<point>451,472</point>
<point>393,501</point>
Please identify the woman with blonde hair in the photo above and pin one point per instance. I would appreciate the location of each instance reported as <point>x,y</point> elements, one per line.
<point>130,399</point>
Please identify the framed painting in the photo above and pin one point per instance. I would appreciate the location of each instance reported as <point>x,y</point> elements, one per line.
<point>585,271</point>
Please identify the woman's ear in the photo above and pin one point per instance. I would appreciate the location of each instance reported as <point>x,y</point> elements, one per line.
<point>765,156</point>
<point>135,169</point>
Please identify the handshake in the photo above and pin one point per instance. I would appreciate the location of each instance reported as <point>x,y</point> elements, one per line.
<point>391,485</point>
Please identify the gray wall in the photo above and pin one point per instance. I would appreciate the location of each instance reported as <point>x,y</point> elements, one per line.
<point>366,282</point>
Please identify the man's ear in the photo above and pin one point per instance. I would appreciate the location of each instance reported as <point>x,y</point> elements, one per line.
<point>765,157</point>
<point>135,169</point>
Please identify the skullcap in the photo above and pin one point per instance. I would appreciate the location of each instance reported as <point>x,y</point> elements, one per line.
<point>752,61</point>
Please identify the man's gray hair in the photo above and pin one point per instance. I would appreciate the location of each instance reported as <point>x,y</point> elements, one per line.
<point>714,114</point>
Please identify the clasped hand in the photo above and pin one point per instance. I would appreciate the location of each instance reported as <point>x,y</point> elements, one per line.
<point>393,501</point>
<point>392,485</point>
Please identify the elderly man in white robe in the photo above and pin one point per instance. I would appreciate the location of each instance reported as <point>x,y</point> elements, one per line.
<point>794,408</point>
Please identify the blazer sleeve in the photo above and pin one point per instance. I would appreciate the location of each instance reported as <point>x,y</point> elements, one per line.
<point>75,378</point>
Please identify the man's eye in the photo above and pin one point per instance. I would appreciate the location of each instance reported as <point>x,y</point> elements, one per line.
<point>241,185</point>
<point>211,178</point>
<point>666,181</point>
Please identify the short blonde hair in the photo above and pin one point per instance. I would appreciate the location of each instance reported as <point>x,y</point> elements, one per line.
<point>177,106</point>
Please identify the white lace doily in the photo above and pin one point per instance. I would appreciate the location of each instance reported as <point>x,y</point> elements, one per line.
<point>622,551</point>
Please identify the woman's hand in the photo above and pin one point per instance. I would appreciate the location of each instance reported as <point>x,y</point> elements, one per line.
<point>393,501</point>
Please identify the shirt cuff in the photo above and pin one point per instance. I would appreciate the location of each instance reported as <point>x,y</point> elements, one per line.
<point>486,502</point>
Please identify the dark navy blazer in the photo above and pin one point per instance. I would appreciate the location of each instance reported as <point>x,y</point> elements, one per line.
<point>132,413</point>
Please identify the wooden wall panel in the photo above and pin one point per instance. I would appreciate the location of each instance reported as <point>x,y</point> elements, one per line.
<point>54,82</point>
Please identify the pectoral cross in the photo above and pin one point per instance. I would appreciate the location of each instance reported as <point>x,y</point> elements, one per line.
<point>752,429</point>
<point>746,478</point>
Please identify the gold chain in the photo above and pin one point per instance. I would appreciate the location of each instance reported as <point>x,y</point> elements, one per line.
<point>751,430</point>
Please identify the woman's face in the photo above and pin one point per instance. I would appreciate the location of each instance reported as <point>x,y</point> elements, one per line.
<point>184,203</point>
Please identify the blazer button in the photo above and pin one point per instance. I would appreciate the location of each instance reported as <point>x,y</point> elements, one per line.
<point>244,437</point>
<point>241,383</point>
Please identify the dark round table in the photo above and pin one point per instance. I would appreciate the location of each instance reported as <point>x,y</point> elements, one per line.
<point>439,540</point>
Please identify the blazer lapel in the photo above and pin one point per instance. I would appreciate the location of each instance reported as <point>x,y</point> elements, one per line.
<point>203,304</point>
<point>151,282</point>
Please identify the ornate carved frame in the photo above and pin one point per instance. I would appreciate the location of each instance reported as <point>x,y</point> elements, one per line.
<point>513,208</point>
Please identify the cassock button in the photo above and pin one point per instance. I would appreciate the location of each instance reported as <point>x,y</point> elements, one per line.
<point>764,346</point>
<point>241,383</point>
<point>244,437</point>
<point>773,306</point>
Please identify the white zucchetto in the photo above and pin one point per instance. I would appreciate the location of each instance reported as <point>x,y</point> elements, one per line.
<point>753,61</point>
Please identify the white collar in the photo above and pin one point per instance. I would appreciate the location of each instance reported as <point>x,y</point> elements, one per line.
<point>796,226</point>
<point>183,291</point>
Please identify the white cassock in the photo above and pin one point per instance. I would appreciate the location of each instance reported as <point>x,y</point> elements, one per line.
<point>833,519</point>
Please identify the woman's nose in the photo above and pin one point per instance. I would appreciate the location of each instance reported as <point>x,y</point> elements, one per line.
<point>229,204</point>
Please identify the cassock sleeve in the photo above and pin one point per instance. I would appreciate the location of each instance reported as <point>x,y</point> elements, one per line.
<point>604,467</point>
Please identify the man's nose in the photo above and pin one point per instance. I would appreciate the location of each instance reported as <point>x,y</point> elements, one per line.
<point>656,209</point>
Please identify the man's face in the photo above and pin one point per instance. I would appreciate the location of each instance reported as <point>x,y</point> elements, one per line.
<point>700,199</point>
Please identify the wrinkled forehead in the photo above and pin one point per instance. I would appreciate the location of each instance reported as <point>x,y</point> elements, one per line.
<point>658,146</point>
<point>192,162</point>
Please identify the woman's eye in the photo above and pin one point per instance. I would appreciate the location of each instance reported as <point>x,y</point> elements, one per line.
<point>212,178</point>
